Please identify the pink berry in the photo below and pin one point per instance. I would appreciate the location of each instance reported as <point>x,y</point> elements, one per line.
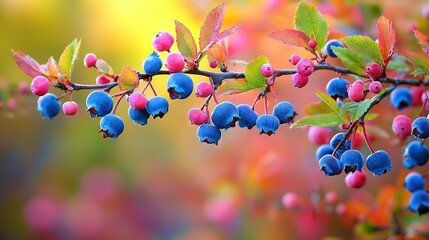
<point>103,79</point>
<point>374,70</point>
<point>162,41</point>
<point>331,197</point>
<point>319,135</point>
<point>356,93</point>
<point>356,179</point>
<point>416,93</point>
<point>424,98</point>
<point>375,87</point>
<point>213,64</point>
<point>358,82</point>
<point>11,104</point>
<point>401,126</point>
<point>138,101</point>
<point>357,141</point>
<point>70,108</point>
<point>299,80</point>
<point>290,200</point>
<point>305,67</point>
<point>42,213</point>
<point>40,85</point>
<point>204,89</point>
<point>294,59</point>
<point>341,209</point>
<point>175,62</point>
<point>23,88</point>
<point>312,44</point>
<point>425,11</point>
<point>90,60</point>
<point>267,70</point>
<point>197,117</point>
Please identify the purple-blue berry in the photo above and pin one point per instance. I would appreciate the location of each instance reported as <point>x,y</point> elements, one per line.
<point>285,112</point>
<point>419,202</point>
<point>99,103</point>
<point>138,116</point>
<point>209,134</point>
<point>378,162</point>
<point>247,116</point>
<point>417,153</point>
<point>225,115</point>
<point>401,98</point>
<point>420,127</point>
<point>267,124</point>
<point>48,105</point>
<point>414,181</point>
<point>330,165</point>
<point>157,106</point>
<point>152,64</point>
<point>323,150</point>
<point>408,163</point>
<point>111,126</point>
<point>337,88</point>
<point>332,43</point>
<point>179,86</point>
<point>336,140</point>
<point>352,160</point>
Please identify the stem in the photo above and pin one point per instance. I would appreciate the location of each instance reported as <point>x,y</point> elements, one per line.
<point>266,104</point>
<point>117,102</point>
<point>366,138</point>
<point>256,100</point>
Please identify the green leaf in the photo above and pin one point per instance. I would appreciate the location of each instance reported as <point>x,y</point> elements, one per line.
<point>363,107</point>
<point>399,63</point>
<point>212,25</point>
<point>185,41</point>
<point>321,120</point>
<point>232,86</point>
<point>309,20</point>
<point>128,78</point>
<point>103,67</point>
<point>350,108</point>
<point>364,47</point>
<point>331,103</point>
<point>253,74</point>
<point>371,116</point>
<point>67,60</point>
<point>352,61</point>
<point>317,108</point>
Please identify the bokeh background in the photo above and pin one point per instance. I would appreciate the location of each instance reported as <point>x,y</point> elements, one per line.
<point>60,180</point>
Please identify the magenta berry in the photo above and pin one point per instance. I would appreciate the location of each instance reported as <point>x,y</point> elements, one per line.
<point>197,117</point>
<point>312,44</point>
<point>319,135</point>
<point>416,94</point>
<point>294,59</point>
<point>213,64</point>
<point>356,93</point>
<point>374,70</point>
<point>358,82</point>
<point>356,179</point>
<point>305,67</point>
<point>267,70</point>
<point>290,200</point>
<point>11,104</point>
<point>299,80</point>
<point>204,89</point>
<point>375,87</point>
<point>103,79</point>
<point>70,108</point>
<point>174,62</point>
<point>162,41</point>
<point>332,197</point>
<point>138,101</point>
<point>90,60</point>
<point>40,85</point>
<point>401,126</point>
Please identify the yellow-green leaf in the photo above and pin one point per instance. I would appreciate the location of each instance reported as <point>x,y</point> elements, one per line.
<point>321,120</point>
<point>67,60</point>
<point>128,78</point>
<point>185,41</point>
<point>331,103</point>
<point>351,60</point>
<point>253,74</point>
<point>364,47</point>
<point>103,67</point>
<point>317,108</point>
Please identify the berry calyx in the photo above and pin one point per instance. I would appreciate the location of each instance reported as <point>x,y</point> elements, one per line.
<point>209,134</point>
<point>162,41</point>
<point>90,60</point>
<point>70,108</point>
<point>174,62</point>
<point>267,70</point>
<point>138,100</point>
<point>305,67</point>
<point>40,85</point>
<point>267,124</point>
<point>312,44</point>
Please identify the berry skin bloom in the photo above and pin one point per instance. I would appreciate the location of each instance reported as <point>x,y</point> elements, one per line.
<point>352,160</point>
<point>162,41</point>
<point>267,124</point>
<point>40,86</point>
<point>152,64</point>
<point>356,179</point>
<point>414,181</point>
<point>99,103</point>
<point>138,116</point>
<point>401,126</point>
<point>378,162</point>
<point>157,106</point>
<point>175,62</point>
<point>337,88</point>
<point>179,86</point>
<point>209,134</point>
<point>48,105</point>
<point>330,165</point>
<point>247,116</point>
<point>420,127</point>
<point>323,150</point>
<point>285,112</point>
<point>225,115</point>
<point>401,98</point>
<point>417,153</point>
<point>111,126</point>
<point>419,202</point>
<point>332,43</point>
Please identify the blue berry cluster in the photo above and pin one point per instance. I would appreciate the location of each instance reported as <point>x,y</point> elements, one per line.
<point>419,200</point>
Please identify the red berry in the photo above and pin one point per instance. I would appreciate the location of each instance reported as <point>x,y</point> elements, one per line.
<point>70,108</point>
<point>416,94</point>
<point>319,135</point>
<point>375,87</point>
<point>40,85</point>
<point>356,179</point>
<point>356,93</point>
<point>402,126</point>
<point>175,62</point>
<point>312,44</point>
<point>213,64</point>
<point>267,70</point>
<point>90,60</point>
<point>162,41</point>
<point>374,70</point>
<point>103,79</point>
<point>357,141</point>
<point>204,89</point>
<point>138,101</point>
<point>197,117</point>
<point>299,80</point>
<point>305,67</point>
<point>331,197</point>
<point>290,200</point>
<point>294,59</point>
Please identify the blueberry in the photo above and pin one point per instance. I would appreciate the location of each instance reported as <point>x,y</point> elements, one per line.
<point>352,160</point>
<point>152,64</point>
<point>323,150</point>
<point>337,88</point>
<point>138,116</point>
<point>417,152</point>
<point>401,98</point>
<point>408,163</point>
<point>179,85</point>
<point>335,141</point>
<point>48,105</point>
<point>247,116</point>
<point>332,43</point>
<point>414,181</point>
<point>267,124</point>
<point>419,202</point>
<point>157,106</point>
<point>209,134</point>
<point>224,115</point>
<point>420,127</point>
<point>378,162</point>
<point>285,112</point>
<point>111,126</point>
<point>99,103</point>
<point>330,165</point>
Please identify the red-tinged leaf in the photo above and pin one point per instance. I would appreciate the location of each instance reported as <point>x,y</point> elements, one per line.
<point>419,60</point>
<point>218,52</point>
<point>67,60</point>
<point>185,41</point>
<point>386,36</point>
<point>233,86</point>
<point>291,37</point>
<point>27,64</point>
<point>128,78</point>
<point>212,24</point>
<point>423,40</point>
<point>103,67</point>
<point>221,36</point>
<point>52,69</point>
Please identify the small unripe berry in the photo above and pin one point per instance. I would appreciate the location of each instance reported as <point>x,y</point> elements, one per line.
<point>401,126</point>
<point>197,117</point>
<point>70,108</point>
<point>138,101</point>
<point>203,89</point>
<point>375,87</point>
<point>305,67</point>
<point>374,70</point>
<point>294,59</point>
<point>312,44</point>
<point>103,79</point>
<point>290,200</point>
<point>213,64</point>
<point>90,60</point>
<point>162,41</point>
<point>319,135</point>
<point>299,80</point>
<point>331,197</point>
<point>356,179</point>
<point>267,70</point>
<point>174,62</point>
<point>11,104</point>
<point>40,85</point>
<point>23,88</point>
